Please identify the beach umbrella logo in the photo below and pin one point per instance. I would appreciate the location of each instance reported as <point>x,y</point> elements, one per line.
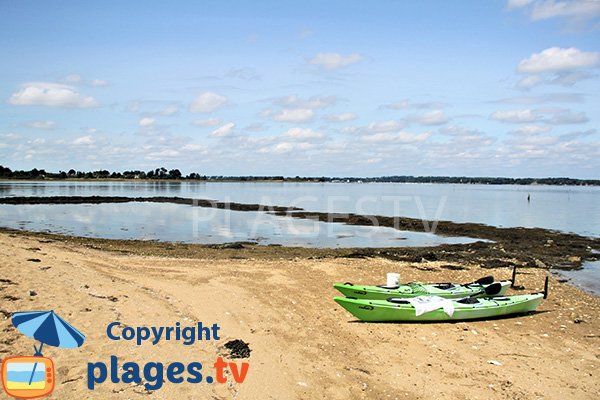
<point>33,377</point>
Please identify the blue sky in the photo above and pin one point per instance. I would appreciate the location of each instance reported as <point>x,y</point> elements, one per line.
<point>338,88</point>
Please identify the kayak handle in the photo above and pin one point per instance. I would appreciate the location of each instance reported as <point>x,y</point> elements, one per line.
<point>348,284</point>
<point>514,277</point>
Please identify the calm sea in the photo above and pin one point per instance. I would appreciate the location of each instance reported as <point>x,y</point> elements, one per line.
<point>564,208</point>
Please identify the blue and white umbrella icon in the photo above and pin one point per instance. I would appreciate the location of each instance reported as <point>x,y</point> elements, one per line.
<point>49,329</point>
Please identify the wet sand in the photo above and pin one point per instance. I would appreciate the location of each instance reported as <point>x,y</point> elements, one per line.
<point>279,300</point>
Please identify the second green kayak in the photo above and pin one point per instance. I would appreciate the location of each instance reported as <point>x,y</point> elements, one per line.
<point>446,290</point>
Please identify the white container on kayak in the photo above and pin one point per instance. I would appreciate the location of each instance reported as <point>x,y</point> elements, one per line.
<point>393,279</point>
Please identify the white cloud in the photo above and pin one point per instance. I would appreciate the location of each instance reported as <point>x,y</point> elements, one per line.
<point>405,103</point>
<point>557,59</point>
<point>564,117</point>
<point>399,137</point>
<point>574,9</point>
<point>533,129</point>
<point>384,126</point>
<point>42,124</point>
<point>398,105</point>
<point>193,147</point>
<point>515,116</point>
<point>224,130</point>
<point>571,78</point>
<point>530,81</point>
<point>294,116</point>
<point>146,122</point>
<point>436,117</point>
<point>84,141</point>
<point>341,117</point>
<point>206,122</point>
<point>207,102</point>
<point>73,78</point>
<point>51,95</point>
<point>545,98</point>
<point>301,134</point>
<point>98,82</point>
<point>169,111</point>
<point>576,12</point>
<point>333,61</point>
<point>312,103</point>
<point>286,147</point>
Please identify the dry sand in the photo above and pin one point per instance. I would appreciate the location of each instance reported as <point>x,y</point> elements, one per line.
<point>303,345</point>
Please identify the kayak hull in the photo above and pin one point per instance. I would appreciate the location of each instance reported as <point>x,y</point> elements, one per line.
<point>416,289</point>
<point>385,311</point>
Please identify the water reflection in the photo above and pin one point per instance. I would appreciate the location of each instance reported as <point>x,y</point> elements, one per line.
<point>181,223</point>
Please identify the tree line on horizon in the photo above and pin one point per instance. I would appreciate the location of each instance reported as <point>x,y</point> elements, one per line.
<point>175,174</point>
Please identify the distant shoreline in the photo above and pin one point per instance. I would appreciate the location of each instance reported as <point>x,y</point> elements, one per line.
<point>411,179</point>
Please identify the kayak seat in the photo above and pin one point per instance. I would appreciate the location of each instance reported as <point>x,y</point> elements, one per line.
<point>389,287</point>
<point>468,300</point>
<point>444,286</point>
<point>396,300</point>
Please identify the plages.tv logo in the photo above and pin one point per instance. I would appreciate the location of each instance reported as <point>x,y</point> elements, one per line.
<point>29,377</point>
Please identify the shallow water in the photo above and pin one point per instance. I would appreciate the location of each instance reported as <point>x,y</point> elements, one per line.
<point>182,223</point>
<point>566,208</point>
<point>586,278</point>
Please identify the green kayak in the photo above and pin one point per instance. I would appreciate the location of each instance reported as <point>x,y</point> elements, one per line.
<point>399,309</point>
<point>446,290</point>
<point>435,308</point>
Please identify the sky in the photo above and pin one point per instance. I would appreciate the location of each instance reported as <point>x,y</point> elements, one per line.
<point>310,88</point>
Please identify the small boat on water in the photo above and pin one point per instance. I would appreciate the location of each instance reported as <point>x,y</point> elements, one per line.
<point>434,308</point>
<point>414,289</point>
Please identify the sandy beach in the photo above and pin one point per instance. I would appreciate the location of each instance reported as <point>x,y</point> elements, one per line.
<point>280,302</point>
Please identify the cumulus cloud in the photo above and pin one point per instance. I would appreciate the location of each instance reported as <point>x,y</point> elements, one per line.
<point>557,59</point>
<point>577,13</point>
<point>341,117</point>
<point>334,61</point>
<point>530,81</point>
<point>544,98</point>
<point>558,66</point>
<point>286,147</point>
<point>515,116</point>
<point>564,117</point>
<point>312,103</point>
<point>553,116</point>
<point>146,122</point>
<point>206,122</point>
<point>223,131</point>
<point>301,134</point>
<point>98,82</point>
<point>207,102</point>
<point>73,78</point>
<point>169,111</point>
<point>406,103</point>
<point>299,115</point>
<point>398,137</point>
<point>84,141</point>
<point>533,129</point>
<point>435,117</point>
<point>42,124</point>
<point>51,95</point>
